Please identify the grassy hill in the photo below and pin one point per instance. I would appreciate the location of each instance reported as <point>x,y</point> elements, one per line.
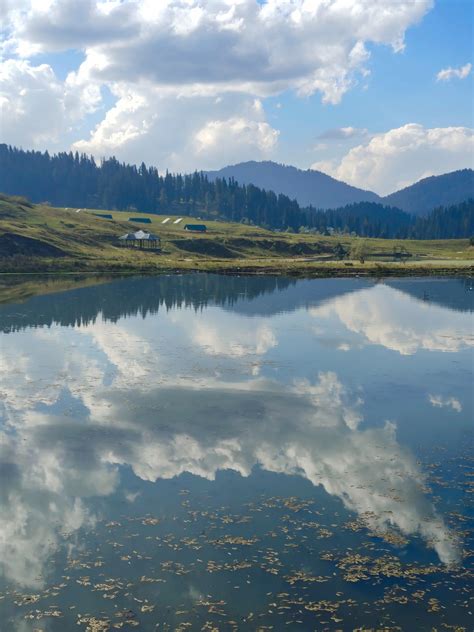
<point>36,238</point>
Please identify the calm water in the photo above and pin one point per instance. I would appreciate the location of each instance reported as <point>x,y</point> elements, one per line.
<point>218,453</point>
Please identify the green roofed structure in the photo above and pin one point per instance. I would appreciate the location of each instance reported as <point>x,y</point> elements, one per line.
<point>140,220</point>
<point>196,228</point>
<point>103,215</point>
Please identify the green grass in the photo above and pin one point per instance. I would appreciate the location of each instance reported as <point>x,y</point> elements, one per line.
<point>90,244</point>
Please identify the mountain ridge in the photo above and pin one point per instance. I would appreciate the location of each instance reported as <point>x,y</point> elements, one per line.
<point>422,196</point>
<point>322,191</point>
<point>296,183</point>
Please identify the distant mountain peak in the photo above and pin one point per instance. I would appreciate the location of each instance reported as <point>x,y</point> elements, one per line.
<point>308,187</point>
<point>434,191</point>
<point>315,188</point>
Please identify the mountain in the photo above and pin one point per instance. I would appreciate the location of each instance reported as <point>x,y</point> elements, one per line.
<point>306,187</point>
<point>73,180</point>
<point>324,192</point>
<point>423,196</point>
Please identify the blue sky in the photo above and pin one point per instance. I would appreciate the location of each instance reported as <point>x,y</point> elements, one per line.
<point>401,87</point>
<point>204,83</point>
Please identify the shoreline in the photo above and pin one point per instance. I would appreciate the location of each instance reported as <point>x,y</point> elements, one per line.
<point>17,287</point>
<point>305,270</point>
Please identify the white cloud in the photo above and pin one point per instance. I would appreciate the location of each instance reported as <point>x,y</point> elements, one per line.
<point>36,108</point>
<point>280,44</point>
<point>438,401</point>
<point>401,156</point>
<point>255,136</point>
<point>181,133</point>
<point>454,73</point>
<point>165,60</point>
<point>33,26</point>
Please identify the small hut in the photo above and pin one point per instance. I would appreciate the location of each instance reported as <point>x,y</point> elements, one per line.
<point>196,228</point>
<point>139,220</point>
<point>103,215</point>
<point>141,240</point>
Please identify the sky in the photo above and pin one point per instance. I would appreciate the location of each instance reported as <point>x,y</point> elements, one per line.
<point>377,93</point>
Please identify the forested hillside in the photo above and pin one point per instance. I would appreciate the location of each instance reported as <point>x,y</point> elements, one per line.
<point>68,179</point>
<point>423,196</point>
<point>308,187</point>
<point>375,220</point>
<point>317,189</point>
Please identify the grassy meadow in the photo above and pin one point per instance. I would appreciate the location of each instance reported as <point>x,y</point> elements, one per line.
<point>68,240</point>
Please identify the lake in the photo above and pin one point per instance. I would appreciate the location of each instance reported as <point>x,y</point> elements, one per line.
<point>201,452</point>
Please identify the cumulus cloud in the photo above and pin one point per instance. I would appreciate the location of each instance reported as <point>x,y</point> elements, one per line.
<point>36,107</point>
<point>32,26</point>
<point>454,73</point>
<point>165,60</point>
<point>185,133</point>
<point>394,159</point>
<point>254,136</point>
<point>276,44</point>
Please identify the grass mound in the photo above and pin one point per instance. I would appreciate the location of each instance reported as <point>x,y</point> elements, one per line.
<point>12,244</point>
<point>208,247</point>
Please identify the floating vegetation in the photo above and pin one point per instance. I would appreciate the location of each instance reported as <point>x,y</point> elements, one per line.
<point>305,578</point>
<point>229,539</point>
<point>202,546</point>
<point>26,600</point>
<point>215,490</point>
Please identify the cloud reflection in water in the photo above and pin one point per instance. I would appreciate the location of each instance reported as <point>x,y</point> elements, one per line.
<point>79,403</point>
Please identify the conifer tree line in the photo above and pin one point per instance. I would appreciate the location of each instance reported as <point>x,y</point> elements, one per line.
<point>369,219</point>
<point>77,180</point>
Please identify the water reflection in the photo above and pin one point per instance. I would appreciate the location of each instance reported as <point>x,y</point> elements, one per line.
<point>389,317</point>
<point>52,464</point>
<point>259,295</point>
<point>205,391</point>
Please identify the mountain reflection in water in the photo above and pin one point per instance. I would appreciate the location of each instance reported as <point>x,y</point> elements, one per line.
<point>176,380</point>
<point>257,295</point>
